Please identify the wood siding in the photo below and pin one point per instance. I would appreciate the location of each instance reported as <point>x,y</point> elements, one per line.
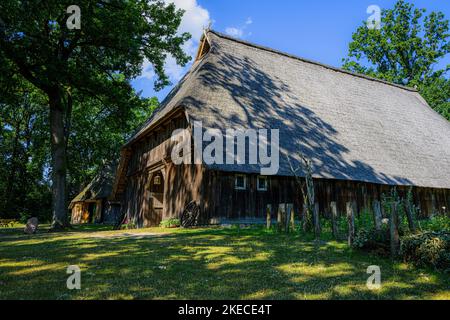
<point>217,196</point>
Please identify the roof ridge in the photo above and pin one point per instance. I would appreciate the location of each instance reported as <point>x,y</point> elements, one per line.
<point>292,56</point>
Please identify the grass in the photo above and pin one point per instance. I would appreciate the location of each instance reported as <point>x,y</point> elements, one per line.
<point>210,263</point>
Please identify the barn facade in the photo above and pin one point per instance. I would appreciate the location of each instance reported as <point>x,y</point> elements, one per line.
<point>363,136</point>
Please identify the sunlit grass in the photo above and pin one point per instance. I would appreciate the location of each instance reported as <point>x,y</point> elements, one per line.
<point>210,263</point>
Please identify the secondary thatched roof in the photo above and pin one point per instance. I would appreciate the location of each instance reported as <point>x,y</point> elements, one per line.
<point>99,188</point>
<point>353,127</point>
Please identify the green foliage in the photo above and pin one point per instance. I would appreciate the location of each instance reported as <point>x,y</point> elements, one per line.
<point>84,78</point>
<point>24,186</point>
<point>131,225</point>
<point>435,223</point>
<point>427,249</point>
<point>405,51</point>
<point>98,132</point>
<point>372,240</point>
<point>170,223</point>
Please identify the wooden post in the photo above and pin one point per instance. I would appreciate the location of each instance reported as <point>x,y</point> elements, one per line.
<point>292,220</point>
<point>282,216</point>
<point>334,218</point>
<point>279,217</point>
<point>350,222</point>
<point>304,218</point>
<point>434,210</point>
<point>316,221</point>
<point>377,216</point>
<point>394,236</point>
<point>289,215</point>
<point>269,216</point>
<point>410,214</point>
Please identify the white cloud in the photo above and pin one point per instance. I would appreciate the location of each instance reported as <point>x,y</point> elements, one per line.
<point>195,19</point>
<point>234,32</point>
<point>239,32</point>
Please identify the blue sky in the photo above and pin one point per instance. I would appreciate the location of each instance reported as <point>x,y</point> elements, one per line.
<point>317,30</point>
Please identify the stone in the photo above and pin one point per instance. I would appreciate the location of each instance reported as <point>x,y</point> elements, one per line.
<point>31,226</point>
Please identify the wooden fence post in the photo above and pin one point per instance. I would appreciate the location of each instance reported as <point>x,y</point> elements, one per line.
<point>304,218</point>
<point>394,236</point>
<point>278,217</point>
<point>281,216</point>
<point>268,216</point>
<point>289,214</point>
<point>377,216</point>
<point>316,221</point>
<point>292,219</point>
<point>334,218</point>
<point>410,214</point>
<point>351,222</point>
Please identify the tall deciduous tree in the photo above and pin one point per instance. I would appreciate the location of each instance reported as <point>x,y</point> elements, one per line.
<point>98,59</point>
<point>406,50</point>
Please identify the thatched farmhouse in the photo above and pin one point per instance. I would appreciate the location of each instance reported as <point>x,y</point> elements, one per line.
<point>362,135</point>
<point>92,204</point>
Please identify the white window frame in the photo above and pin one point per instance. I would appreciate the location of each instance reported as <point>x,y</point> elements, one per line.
<point>257,183</point>
<point>236,187</point>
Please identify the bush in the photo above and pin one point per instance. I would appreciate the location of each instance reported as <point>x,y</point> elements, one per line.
<point>427,249</point>
<point>372,240</point>
<point>435,223</point>
<point>170,223</point>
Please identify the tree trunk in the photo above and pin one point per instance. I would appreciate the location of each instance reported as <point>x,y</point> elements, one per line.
<point>334,218</point>
<point>59,165</point>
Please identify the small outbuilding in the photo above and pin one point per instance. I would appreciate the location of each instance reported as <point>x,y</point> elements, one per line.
<point>92,204</point>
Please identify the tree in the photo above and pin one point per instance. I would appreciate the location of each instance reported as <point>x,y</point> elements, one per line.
<point>97,60</point>
<point>24,188</point>
<point>99,130</point>
<point>406,50</point>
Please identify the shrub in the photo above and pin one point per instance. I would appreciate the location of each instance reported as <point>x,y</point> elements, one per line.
<point>435,223</point>
<point>372,240</point>
<point>170,223</point>
<point>427,249</point>
<point>24,216</point>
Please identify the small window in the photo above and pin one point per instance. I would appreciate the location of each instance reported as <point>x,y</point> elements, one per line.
<point>262,183</point>
<point>240,182</point>
<point>157,180</point>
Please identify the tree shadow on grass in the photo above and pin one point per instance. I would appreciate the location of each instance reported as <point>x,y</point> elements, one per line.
<point>203,264</point>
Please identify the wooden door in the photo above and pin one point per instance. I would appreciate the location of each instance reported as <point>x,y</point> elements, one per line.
<point>156,201</point>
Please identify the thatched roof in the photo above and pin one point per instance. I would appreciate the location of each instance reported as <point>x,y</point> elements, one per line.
<point>99,188</point>
<point>353,127</point>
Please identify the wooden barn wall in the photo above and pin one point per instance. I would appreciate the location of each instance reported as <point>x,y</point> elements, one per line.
<point>214,191</point>
<point>223,202</point>
<point>181,182</point>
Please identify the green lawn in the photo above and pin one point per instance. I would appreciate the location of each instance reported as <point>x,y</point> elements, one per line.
<point>200,264</point>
